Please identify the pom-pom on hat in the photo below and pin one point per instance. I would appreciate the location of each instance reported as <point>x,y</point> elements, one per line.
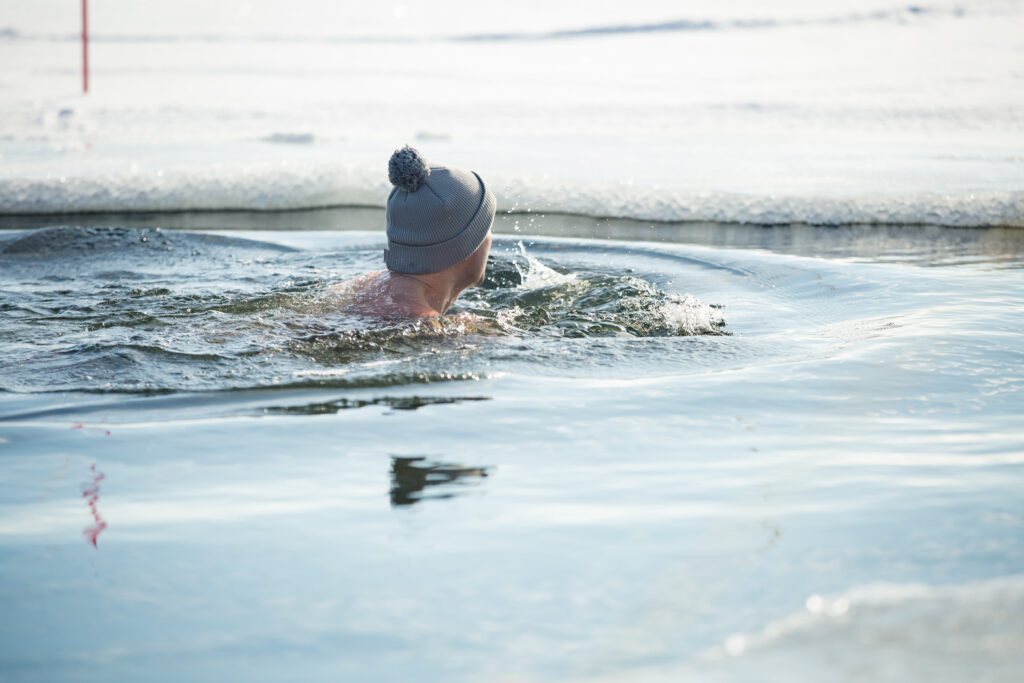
<point>436,216</point>
<point>407,170</point>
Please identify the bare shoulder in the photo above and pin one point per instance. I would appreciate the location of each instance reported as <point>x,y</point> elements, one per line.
<point>359,284</point>
<point>372,295</point>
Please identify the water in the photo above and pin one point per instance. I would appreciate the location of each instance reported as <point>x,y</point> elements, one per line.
<point>636,453</point>
<point>728,445</point>
<point>256,315</point>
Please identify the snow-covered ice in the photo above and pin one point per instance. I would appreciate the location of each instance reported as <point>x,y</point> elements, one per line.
<point>836,112</point>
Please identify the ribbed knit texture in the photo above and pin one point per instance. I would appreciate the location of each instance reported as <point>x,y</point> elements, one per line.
<point>440,223</point>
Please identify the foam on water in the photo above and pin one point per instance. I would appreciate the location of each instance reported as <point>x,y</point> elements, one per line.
<point>879,632</point>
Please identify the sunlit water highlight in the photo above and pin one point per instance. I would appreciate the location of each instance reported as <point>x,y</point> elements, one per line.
<point>736,453</point>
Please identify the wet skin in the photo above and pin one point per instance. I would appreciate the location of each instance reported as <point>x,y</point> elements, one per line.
<point>390,294</point>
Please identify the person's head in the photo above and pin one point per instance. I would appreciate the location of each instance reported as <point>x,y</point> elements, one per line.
<point>473,269</point>
<point>438,219</point>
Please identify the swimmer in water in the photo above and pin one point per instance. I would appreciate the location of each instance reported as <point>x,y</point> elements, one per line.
<point>439,236</point>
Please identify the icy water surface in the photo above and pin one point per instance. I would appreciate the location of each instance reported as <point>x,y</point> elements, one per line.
<point>129,310</point>
<point>676,452</point>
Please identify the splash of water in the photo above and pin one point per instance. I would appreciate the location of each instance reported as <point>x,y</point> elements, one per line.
<point>524,297</point>
<point>152,311</point>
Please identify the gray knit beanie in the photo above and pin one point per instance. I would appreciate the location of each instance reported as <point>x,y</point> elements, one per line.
<point>436,216</point>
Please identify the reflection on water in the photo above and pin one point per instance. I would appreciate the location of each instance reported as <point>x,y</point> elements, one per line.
<point>410,476</point>
<point>393,402</point>
<point>925,245</point>
<point>91,493</point>
<point>917,244</point>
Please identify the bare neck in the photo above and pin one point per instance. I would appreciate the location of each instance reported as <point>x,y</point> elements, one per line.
<point>430,293</point>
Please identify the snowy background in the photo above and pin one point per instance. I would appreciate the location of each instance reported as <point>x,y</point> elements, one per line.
<point>839,111</point>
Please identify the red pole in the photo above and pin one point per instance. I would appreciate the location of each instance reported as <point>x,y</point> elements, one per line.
<point>85,46</point>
